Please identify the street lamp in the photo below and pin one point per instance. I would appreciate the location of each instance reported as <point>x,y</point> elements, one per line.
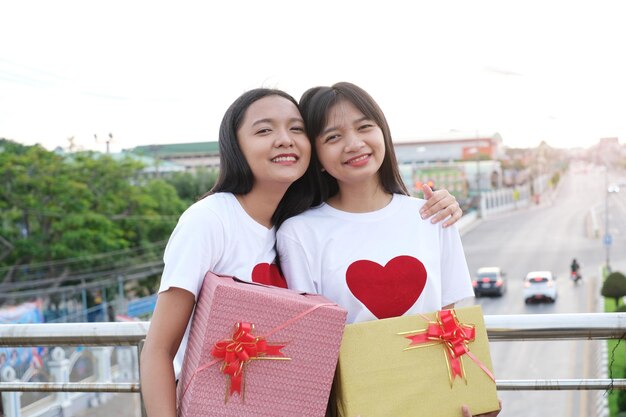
<point>476,151</point>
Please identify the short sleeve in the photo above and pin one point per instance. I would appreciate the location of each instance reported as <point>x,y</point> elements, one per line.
<point>194,248</point>
<point>456,282</point>
<point>294,264</point>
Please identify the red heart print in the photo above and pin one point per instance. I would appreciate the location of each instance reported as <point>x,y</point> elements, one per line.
<point>268,274</point>
<point>390,290</point>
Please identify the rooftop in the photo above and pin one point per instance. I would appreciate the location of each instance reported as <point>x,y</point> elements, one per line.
<point>176,149</point>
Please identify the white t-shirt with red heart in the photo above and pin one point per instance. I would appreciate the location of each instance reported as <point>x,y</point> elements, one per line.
<point>216,234</point>
<point>380,264</point>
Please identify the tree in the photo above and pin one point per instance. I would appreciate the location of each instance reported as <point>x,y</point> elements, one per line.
<point>192,185</point>
<point>614,287</point>
<point>82,206</point>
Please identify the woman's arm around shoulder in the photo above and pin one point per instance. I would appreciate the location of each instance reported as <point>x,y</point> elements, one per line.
<point>167,327</point>
<point>442,205</point>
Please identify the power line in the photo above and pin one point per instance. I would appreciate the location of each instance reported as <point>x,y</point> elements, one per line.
<point>92,276</point>
<point>90,257</point>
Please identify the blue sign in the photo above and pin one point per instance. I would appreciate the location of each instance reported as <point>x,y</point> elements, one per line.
<point>608,239</point>
<point>142,306</point>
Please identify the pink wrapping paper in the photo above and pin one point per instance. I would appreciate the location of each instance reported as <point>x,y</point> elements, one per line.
<point>272,388</point>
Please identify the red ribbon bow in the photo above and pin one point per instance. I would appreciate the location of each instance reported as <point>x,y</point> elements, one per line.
<point>241,348</point>
<point>453,335</point>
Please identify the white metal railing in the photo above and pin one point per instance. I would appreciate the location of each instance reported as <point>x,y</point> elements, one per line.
<point>587,326</point>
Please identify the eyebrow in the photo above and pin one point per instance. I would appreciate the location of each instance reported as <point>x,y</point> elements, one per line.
<point>293,119</point>
<point>330,129</point>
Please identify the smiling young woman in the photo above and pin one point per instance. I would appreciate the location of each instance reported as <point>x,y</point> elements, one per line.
<point>363,247</point>
<point>263,151</point>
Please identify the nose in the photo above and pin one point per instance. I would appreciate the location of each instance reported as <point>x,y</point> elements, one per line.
<point>283,139</point>
<point>353,142</point>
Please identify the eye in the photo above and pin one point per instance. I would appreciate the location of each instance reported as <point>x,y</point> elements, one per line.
<point>298,129</point>
<point>366,126</point>
<point>331,138</point>
<point>263,131</point>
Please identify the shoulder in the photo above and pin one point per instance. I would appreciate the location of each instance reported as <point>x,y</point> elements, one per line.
<point>409,201</point>
<point>219,203</point>
<point>407,204</point>
<point>312,214</point>
<point>306,220</point>
<point>211,210</point>
<point>407,213</point>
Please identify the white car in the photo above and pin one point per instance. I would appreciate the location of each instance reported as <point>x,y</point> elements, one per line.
<point>539,286</point>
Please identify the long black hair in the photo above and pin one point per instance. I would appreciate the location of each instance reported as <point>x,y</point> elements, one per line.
<point>315,105</point>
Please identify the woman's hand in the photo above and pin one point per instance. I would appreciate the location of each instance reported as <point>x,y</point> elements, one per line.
<point>466,412</point>
<point>442,205</point>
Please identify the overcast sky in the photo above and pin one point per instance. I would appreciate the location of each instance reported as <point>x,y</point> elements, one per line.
<point>163,72</point>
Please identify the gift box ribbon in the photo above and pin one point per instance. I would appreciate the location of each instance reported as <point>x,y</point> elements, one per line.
<point>454,336</point>
<point>242,347</point>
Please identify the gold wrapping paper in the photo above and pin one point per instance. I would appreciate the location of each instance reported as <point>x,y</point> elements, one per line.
<point>378,377</point>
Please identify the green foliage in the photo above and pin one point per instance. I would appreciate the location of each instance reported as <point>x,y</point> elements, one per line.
<point>7,145</point>
<point>614,287</point>
<point>555,179</point>
<point>617,358</point>
<point>75,206</point>
<point>621,402</point>
<point>192,185</point>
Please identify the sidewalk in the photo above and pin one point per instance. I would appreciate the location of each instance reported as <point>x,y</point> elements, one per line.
<point>118,405</point>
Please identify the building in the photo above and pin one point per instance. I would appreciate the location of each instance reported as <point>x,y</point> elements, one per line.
<point>452,147</point>
<point>152,167</point>
<point>463,163</point>
<point>191,155</point>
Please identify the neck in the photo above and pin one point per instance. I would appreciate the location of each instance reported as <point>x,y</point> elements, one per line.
<point>360,198</point>
<point>261,203</point>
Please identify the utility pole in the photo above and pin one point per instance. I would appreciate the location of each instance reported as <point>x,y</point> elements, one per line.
<point>607,235</point>
<point>607,238</point>
<point>107,141</point>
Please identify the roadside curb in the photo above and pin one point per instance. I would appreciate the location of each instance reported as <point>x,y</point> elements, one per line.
<point>468,222</point>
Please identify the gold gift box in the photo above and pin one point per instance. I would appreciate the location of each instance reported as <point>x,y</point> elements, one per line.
<point>382,373</point>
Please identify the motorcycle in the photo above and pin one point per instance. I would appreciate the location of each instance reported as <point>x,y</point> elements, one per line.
<point>576,277</point>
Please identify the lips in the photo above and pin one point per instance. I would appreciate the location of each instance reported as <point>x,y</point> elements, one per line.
<point>358,160</point>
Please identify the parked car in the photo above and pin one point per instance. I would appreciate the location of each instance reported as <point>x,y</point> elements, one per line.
<point>540,286</point>
<point>490,280</point>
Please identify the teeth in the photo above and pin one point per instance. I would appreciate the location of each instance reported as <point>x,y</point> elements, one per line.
<point>284,159</point>
<point>360,158</point>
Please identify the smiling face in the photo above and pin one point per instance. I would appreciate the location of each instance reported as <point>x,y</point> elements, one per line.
<point>351,147</point>
<point>273,141</point>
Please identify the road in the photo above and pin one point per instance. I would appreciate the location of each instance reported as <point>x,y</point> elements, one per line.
<point>547,237</point>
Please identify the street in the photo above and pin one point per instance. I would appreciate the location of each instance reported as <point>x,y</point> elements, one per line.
<point>547,237</point>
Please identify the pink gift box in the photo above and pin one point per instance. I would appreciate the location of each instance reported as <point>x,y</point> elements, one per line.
<point>310,328</point>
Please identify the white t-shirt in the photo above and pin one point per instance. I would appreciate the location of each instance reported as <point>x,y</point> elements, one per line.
<point>380,264</point>
<point>216,234</point>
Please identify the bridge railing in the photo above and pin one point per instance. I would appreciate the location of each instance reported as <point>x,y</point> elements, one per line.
<point>524,327</point>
